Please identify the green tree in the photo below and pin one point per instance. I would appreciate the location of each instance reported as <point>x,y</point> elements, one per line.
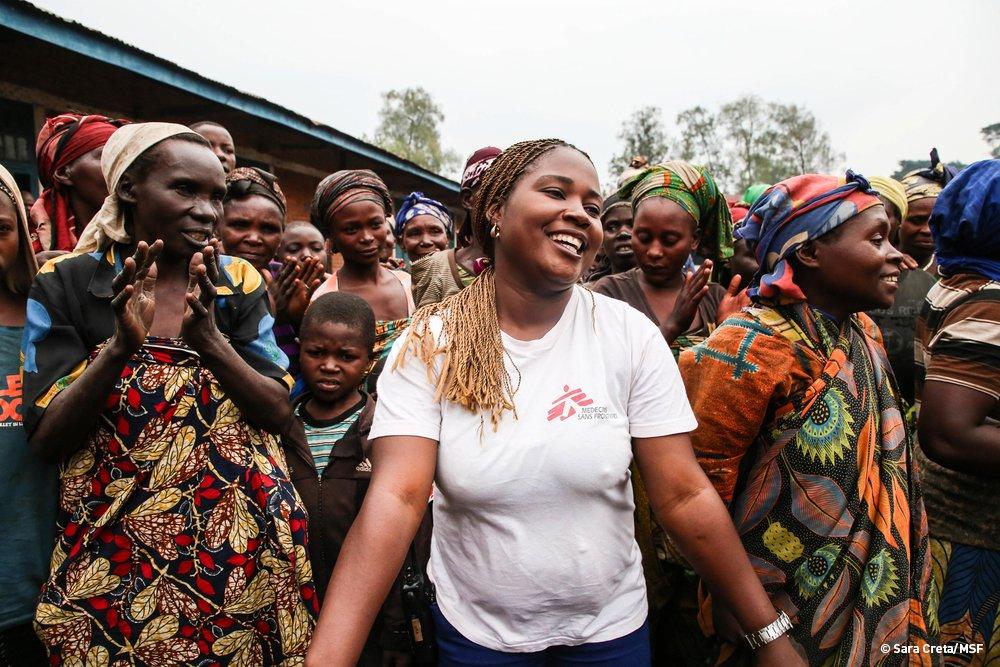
<point>991,135</point>
<point>906,166</point>
<point>702,142</point>
<point>801,147</point>
<point>409,126</point>
<point>749,136</point>
<point>641,133</point>
<point>751,141</point>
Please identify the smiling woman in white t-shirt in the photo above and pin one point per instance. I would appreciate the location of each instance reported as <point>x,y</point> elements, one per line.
<point>525,398</point>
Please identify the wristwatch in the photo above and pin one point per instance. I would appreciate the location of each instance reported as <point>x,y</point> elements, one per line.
<point>769,632</point>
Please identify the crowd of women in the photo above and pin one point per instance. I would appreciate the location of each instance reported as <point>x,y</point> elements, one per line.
<point>663,427</point>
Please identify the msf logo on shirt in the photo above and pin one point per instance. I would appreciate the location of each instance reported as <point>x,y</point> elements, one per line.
<point>564,407</point>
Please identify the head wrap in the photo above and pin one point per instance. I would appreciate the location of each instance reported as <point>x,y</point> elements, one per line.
<point>966,222</point>
<point>124,146</point>
<point>791,213</point>
<point>753,193</point>
<point>635,166</point>
<point>19,276</point>
<point>892,190</point>
<point>245,181</point>
<point>417,204</point>
<point>347,187</point>
<point>478,163</point>
<point>922,183</point>
<point>613,202</point>
<point>737,210</point>
<point>694,190</point>
<point>62,140</point>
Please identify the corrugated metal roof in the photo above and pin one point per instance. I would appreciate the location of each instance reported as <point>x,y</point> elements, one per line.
<point>28,19</point>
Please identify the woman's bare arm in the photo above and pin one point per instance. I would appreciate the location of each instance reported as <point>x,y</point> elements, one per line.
<point>372,555</point>
<point>954,431</point>
<point>689,509</point>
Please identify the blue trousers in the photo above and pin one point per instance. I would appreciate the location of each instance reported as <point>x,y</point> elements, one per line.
<point>454,650</point>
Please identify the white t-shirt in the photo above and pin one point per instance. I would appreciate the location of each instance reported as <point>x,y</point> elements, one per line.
<point>533,542</point>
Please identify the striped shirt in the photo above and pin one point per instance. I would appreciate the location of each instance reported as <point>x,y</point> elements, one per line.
<point>323,434</point>
<point>958,342</point>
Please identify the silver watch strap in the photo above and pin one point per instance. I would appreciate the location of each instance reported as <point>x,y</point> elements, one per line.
<point>769,632</point>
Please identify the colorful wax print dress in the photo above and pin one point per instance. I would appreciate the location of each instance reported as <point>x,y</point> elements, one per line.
<point>801,431</point>
<point>180,539</point>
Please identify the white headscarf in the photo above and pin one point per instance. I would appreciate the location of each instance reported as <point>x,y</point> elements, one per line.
<point>19,276</point>
<point>125,145</point>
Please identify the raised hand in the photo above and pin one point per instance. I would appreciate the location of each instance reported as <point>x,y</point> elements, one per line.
<point>734,301</point>
<point>134,300</point>
<point>293,287</point>
<point>686,306</point>
<point>198,328</point>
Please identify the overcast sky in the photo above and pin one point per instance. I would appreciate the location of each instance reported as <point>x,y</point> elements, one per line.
<point>887,79</point>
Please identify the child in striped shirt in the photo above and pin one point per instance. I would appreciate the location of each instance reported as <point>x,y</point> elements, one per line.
<point>328,451</point>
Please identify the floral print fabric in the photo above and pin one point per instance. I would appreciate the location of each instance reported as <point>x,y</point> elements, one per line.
<point>181,537</point>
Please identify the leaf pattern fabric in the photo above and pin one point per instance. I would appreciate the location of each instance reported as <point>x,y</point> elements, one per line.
<point>965,600</point>
<point>815,461</point>
<point>181,538</point>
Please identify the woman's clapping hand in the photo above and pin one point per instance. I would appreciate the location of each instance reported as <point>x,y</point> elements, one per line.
<point>134,300</point>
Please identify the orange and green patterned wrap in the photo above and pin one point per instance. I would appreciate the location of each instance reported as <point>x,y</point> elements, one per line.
<point>815,462</point>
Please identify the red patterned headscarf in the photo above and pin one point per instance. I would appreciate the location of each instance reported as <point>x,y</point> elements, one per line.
<point>62,140</point>
<point>478,163</point>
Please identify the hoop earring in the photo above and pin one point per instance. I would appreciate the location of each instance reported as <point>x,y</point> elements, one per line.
<point>495,232</point>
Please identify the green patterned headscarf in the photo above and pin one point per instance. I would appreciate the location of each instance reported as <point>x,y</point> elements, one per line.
<point>694,190</point>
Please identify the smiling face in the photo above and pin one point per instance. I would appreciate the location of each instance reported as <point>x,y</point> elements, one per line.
<point>302,241</point>
<point>389,245</point>
<point>424,235</point>
<point>251,229</point>
<point>854,268</point>
<point>179,200</point>
<point>550,225</point>
<point>357,232</point>
<point>333,358</point>
<point>617,245</point>
<point>663,237</point>
<point>222,144</point>
<point>915,233</point>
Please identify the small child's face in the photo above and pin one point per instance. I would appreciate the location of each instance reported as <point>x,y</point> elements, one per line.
<point>334,359</point>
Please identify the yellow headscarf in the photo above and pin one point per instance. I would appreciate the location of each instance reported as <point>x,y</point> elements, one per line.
<point>892,190</point>
<point>124,146</point>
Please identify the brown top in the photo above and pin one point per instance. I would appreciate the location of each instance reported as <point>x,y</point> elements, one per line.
<point>625,287</point>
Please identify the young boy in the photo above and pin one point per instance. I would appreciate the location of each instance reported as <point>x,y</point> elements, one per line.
<point>328,449</point>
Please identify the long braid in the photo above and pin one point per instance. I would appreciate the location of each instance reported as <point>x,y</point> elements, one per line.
<point>472,371</point>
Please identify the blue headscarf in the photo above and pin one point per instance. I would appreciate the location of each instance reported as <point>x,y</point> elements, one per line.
<point>791,213</point>
<point>417,204</point>
<point>965,222</point>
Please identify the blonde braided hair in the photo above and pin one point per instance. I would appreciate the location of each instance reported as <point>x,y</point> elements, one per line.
<point>472,373</point>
